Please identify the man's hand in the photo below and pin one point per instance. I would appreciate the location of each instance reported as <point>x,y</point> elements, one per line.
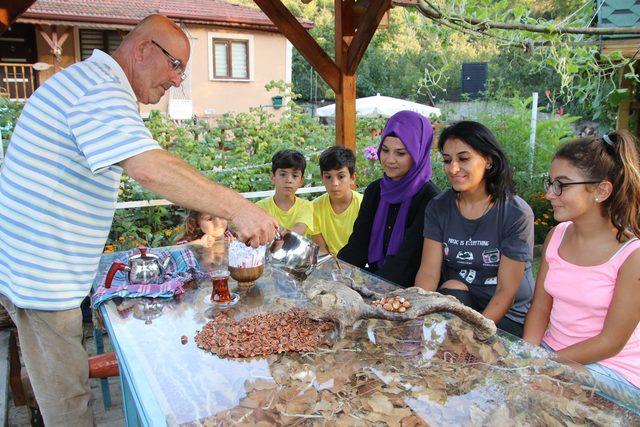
<point>254,226</point>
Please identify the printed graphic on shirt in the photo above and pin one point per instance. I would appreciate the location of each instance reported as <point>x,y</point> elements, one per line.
<point>468,242</point>
<point>491,281</point>
<point>468,275</point>
<point>465,256</point>
<point>445,249</point>
<point>491,256</point>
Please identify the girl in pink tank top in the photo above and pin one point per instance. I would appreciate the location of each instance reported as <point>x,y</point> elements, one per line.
<point>585,305</point>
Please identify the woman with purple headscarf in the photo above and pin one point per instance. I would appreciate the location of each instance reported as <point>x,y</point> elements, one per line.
<point>387,235</point>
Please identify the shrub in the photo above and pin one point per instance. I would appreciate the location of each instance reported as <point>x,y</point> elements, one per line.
<point>9,113</point>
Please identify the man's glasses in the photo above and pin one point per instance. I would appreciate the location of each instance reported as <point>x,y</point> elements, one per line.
<point>556,186</point>
<point>176,64</point>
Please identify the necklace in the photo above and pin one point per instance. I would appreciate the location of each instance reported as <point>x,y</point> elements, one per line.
<point>478,220</point>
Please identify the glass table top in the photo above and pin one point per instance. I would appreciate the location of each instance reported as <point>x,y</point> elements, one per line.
<point>426,371</point>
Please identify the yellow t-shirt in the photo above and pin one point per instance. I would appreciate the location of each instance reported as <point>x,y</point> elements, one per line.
<point>335,228</point>
<point>301,211</point>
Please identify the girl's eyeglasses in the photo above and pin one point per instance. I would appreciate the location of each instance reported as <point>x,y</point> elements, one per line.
<point>176,64</point>
<point>556,186</point>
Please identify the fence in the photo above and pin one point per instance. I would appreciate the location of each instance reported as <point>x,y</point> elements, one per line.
<point>17,81</point>
<point>249,195</point>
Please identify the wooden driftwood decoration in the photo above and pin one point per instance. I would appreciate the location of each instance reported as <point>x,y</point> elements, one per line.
<point>342,302</point>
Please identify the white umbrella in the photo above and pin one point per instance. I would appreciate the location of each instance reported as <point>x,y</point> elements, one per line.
<point>381,106</point>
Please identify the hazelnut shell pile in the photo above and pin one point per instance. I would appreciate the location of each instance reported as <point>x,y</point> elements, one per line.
<point>261,335</point>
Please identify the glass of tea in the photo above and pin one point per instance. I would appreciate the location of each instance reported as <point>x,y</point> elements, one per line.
<point>220,281</point>
<point>220,294</point>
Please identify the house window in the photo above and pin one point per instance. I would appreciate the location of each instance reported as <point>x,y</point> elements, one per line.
<point>231,59</point>
<point>230,56</point>
<point>105,40</point>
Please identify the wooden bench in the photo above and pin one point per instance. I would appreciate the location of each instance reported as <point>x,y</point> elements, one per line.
<point>11,375</point>
<point>5,337</point>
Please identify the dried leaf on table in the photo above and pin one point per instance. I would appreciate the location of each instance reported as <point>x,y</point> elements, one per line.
<point>380,403</point>
<point>400,413</point>
<point>412,421</point>
<point>384,418</point>
<point>259,384</point>
<point>433,395</point>
<point>347,421</point>
<point>258,398</point>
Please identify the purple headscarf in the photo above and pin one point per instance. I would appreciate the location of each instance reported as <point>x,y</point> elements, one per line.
<point>416,133</point>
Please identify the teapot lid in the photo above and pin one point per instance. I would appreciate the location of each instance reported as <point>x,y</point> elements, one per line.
<point>143,255</point>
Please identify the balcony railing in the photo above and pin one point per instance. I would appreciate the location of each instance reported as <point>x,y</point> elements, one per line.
<point>17,81</point>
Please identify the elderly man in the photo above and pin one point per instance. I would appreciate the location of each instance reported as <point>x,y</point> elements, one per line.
<point>58,187</point>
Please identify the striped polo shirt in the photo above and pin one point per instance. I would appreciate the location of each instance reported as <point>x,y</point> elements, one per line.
<point>59,182</point>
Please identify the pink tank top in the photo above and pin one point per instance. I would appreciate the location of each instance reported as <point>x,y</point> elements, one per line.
<point>581,299</point>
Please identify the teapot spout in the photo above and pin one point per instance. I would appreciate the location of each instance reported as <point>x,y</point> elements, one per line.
<point>165,263</point>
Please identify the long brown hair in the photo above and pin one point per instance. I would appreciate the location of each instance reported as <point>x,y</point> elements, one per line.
<point>191,228</point>
<point>616,158</point>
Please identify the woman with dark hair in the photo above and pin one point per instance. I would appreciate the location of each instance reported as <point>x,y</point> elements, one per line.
<point>478,236</point>
<point>587,293</point>
<point>386,236</point>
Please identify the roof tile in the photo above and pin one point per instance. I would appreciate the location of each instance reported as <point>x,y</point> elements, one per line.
<point>214,11</point>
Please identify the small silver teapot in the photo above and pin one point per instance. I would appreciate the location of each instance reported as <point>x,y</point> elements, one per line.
<point>143,268</point>
<point>292,253</point>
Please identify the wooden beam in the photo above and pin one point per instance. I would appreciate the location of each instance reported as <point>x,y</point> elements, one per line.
<point>366,29</point>
<point>11,11</point>
<point>15,376</point>
<point>624,108</point>
<point>628,47</point>
<point>301,40</point>
<point>346,94</point>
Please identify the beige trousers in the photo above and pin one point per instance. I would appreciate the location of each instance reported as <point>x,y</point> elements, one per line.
<point>56,362</point>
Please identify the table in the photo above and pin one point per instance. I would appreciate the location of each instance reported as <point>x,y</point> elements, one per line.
<point>409,373</point>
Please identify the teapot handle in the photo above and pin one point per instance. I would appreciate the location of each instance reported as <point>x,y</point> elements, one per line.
<point>115,267</point>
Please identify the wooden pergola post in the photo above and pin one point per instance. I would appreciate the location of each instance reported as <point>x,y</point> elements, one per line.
<point>346,93</point>
<point>353,33</point>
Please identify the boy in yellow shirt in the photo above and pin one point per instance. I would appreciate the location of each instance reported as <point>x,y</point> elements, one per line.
<point>292,212</point>
<point>335,211</point>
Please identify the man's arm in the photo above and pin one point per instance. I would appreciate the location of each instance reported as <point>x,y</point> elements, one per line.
<point>174,179</point>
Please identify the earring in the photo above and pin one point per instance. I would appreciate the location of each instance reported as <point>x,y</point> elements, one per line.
<point>597,199</point>
<point>489,166</point>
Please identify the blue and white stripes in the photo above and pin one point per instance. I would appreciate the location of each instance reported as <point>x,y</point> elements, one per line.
<point>59,182</point>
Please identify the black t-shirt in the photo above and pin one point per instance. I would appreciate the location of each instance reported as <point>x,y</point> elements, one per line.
<point>472,248</point>
<point>402,267</point>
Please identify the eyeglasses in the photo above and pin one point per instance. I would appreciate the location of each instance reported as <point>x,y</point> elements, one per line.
<point>176,64</point>
<point>556,186</point>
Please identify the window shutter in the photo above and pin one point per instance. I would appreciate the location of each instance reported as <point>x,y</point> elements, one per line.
<point>221,66</point>
<point>106,41</point>
<point>89,40</point>
<point>113,41</point>
<point>239,60</point>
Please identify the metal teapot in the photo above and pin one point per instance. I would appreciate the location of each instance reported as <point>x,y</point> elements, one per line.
<point>292,253</point>
<point>143,268</point>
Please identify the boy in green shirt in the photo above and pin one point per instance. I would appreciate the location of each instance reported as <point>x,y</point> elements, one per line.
<point>292,212</point>
<point>335,211</point>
